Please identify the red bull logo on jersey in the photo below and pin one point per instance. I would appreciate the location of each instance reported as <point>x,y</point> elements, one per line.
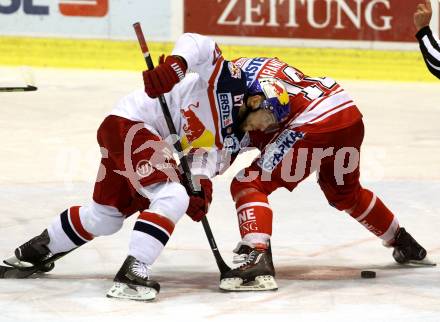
<point>193,127</point>
<point>196,133</point>
<point>234,70</point>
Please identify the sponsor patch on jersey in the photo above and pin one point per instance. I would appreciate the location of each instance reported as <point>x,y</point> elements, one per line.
<point>234,70</point>
<point>225,104</point>
<point>276,151</point>
<point>252,68</point>
<point>240,62</point>
<point>231,144</point>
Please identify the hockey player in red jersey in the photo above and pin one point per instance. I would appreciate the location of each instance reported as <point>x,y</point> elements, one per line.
<point>138,172</point>
<point>301,125</point>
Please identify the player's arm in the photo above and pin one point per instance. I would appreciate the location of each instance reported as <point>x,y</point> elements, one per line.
<point>429,46</point>
<point>200,53</point>
<point>203,166</point>
<point>430,49</point>
<point>191,52</point>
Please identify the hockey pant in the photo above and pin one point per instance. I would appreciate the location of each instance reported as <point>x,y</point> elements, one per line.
<point>335,157</point>
<point>137,174</point>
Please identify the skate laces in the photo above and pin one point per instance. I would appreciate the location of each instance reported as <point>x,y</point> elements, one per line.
<point>241,252</point>
<point>239,258</point>
<point>254,255</point>
<point>141,269</point>
<point>251,257</point>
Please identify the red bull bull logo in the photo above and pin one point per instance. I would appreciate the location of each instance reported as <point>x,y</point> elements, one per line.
<point>278,89</point>
<point>193,127</point>
<point>196,134</point>
<point>234,70</point>
<point>274,88</point>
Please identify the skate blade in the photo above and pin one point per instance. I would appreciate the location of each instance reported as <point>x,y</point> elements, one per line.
<point>261,283</point>
<point>425,262</point>
<point>15,262</point>
<point>131,292</point>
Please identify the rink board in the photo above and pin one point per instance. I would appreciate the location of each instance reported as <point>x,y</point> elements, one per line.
<point>357,64</point>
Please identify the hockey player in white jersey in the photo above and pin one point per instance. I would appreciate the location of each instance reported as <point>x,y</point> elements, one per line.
<point>138,172</point>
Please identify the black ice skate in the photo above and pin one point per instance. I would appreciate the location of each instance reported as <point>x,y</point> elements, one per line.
<point>132,282</point>
<point>408,251</point>
<point>255,274</point>
<point>31,257</point>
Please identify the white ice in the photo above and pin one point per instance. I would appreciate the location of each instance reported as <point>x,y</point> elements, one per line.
<point>48,161</point>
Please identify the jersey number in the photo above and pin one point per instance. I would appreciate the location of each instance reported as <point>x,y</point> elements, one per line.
<point>310,92</point>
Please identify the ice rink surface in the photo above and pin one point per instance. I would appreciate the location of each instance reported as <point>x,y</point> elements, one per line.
<point>48,162</point>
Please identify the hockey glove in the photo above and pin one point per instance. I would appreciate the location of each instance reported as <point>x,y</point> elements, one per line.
<point>162,78</point>
<point>199,203</point>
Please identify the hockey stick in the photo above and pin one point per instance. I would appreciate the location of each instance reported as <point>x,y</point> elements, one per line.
<point>29,80</point>
<point>28,88</point>
<point>223,267</point>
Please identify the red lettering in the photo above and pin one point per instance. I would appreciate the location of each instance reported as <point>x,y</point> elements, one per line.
<point>385,20</point>
<point>98,9</point>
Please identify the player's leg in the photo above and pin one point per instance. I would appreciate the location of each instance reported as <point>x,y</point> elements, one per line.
<point>150,173</point>
<point>250,192</point>
<point>253,252</point>
<point>152,230</point>
<point>78,225</point>
<point>340,183</point>
<point>71,229</point>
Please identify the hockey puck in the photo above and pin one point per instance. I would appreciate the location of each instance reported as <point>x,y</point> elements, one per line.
<point>368,274</point>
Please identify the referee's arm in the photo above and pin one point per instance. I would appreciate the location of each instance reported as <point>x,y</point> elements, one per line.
<point>430,49</point>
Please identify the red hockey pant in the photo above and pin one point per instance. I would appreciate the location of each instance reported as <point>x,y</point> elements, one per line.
<point>335,156</point>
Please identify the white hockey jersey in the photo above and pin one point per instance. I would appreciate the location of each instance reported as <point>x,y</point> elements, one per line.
<point>201,105</point>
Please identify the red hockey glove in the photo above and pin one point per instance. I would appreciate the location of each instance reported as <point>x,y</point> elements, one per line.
<point>162,78</point>
<point>199,203</point>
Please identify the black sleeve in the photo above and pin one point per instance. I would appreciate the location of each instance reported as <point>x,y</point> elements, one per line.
<point>430,50</point>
